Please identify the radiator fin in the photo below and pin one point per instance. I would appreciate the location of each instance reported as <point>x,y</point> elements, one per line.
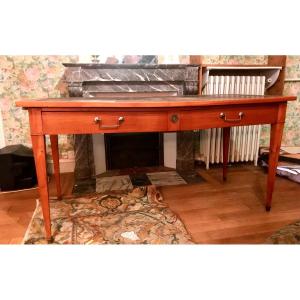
<point>244,140</point>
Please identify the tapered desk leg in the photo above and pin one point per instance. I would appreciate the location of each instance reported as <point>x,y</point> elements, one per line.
<point>275,142</point>
<point>39,150</point>
<point>226,138</point>
<point>55,156</point>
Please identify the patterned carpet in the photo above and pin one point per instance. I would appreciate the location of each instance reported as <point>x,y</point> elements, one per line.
<point>289,234</point>
<point>138,216</point>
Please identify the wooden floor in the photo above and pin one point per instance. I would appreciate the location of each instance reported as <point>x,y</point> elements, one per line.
<point>16,210</point>
<point>213,212</point>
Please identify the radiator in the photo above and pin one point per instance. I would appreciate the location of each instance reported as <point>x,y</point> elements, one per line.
<point>244,140</point>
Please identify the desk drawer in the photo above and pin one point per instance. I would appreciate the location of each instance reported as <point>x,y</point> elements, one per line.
<point>103,122</point>
<point>225,117</point>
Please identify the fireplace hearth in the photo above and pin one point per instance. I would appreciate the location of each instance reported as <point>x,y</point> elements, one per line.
<point>109,80</point>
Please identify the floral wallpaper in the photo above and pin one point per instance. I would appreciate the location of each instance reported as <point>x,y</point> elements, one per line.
<point>30,77</point>
<point>41,76</point>
<point>234,59</point>
<point>216,59</point>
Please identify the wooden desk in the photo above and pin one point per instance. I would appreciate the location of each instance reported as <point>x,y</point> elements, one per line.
<point>163,114</point>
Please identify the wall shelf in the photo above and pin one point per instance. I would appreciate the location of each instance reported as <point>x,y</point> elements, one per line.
<point>270,72</point>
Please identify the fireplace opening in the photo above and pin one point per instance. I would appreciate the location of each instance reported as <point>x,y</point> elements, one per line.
<point>131,150</point>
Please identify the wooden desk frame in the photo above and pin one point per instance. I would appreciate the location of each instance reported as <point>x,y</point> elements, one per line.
<point>164,114</point>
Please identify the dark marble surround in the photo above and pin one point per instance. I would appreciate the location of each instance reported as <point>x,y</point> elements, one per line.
<point>86,79</point>
<point>89,80</point>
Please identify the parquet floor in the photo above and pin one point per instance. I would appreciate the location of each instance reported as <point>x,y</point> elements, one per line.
<point>213,212</point>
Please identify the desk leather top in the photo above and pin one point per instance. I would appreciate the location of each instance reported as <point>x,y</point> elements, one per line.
<point>148,102</point>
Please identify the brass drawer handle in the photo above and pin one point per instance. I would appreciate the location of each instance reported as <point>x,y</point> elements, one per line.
<point>98,120</point>
<point>223,116</point>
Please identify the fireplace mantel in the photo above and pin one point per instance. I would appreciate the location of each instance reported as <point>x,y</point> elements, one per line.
<point>92,80</point>
<point>85,79</point>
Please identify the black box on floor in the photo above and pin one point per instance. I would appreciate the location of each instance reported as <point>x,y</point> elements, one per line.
<point>17,169</point>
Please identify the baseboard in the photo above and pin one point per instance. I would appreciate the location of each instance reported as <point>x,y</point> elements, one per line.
<point>65,165</point>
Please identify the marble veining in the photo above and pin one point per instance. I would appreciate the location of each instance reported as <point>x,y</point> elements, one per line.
<point>91,88</point>
<point>113,183</point>
<point>169,77</point>
<point>165,178</point>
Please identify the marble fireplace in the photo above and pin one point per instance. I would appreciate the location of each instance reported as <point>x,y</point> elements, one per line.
<point>94,79</point>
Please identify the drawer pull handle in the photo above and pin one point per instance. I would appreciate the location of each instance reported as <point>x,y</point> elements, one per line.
<point>223,116</point>
<point>98,120</point>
